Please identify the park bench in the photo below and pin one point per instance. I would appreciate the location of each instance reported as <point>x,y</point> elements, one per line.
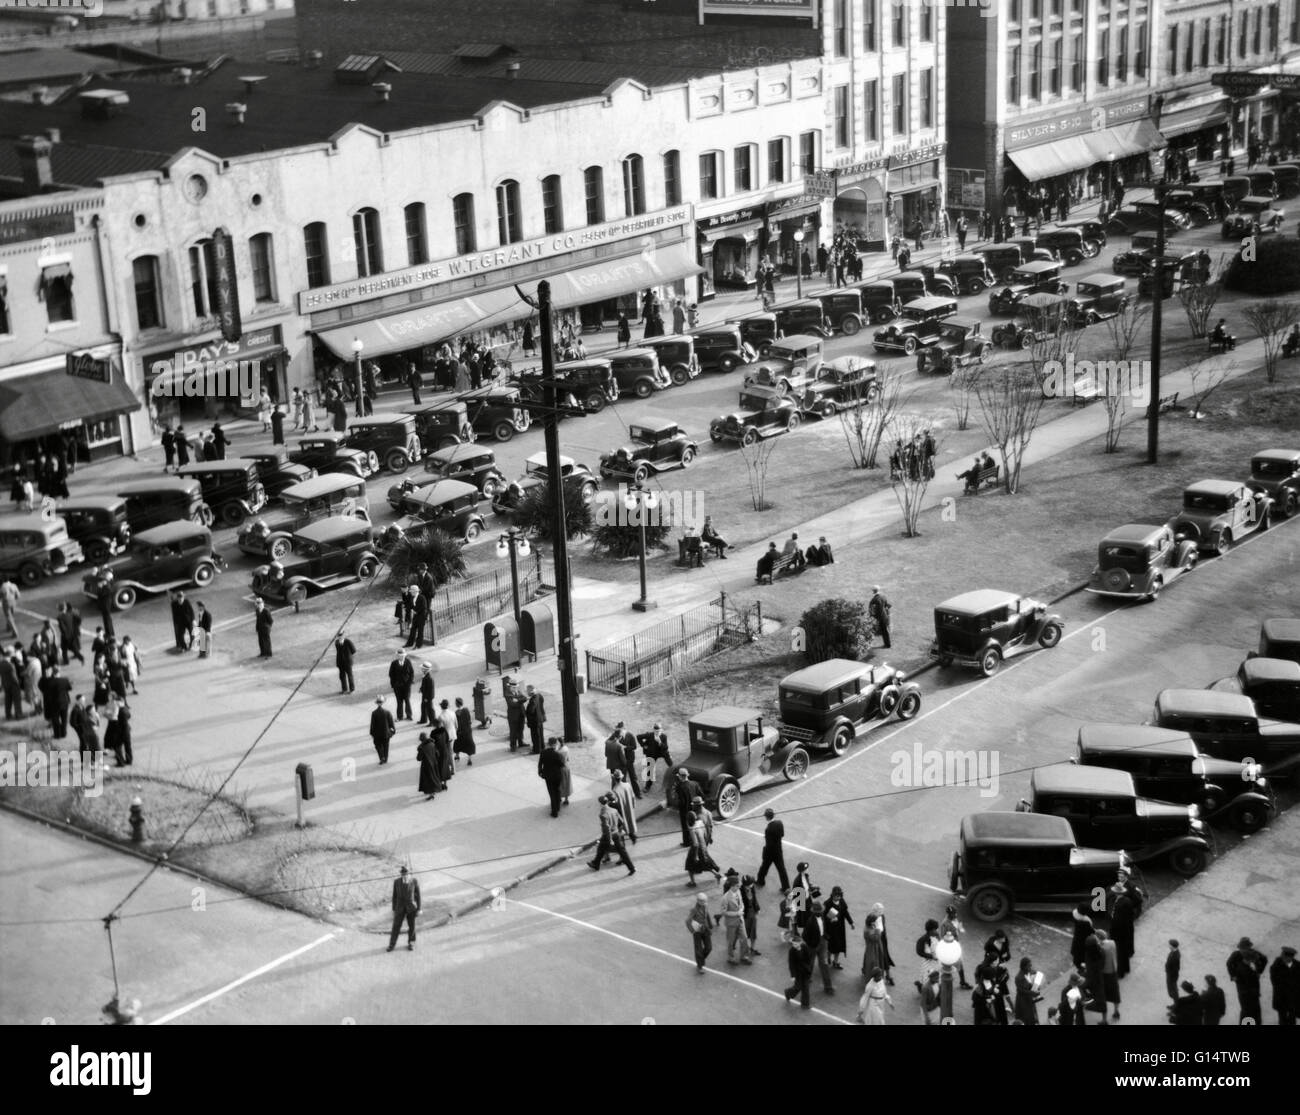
<point>985,477</point>
<point>1222,346</point>
<point>690,551</point>
<point>1085,390</point>
<point>786,563</point>
<point>1167,402</point>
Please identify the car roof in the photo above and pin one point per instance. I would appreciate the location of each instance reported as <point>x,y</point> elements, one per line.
<point>35,521</point>
<point>95,503</point>
<point>1042,301</point>
<point>330,436</point>
<point>910,275</point>
<point>1213,487</point>
<point>333,528</point>
<point>442,404</point>
<point>1036,266</point>
<point>171,532</point>
<point>583,362</point>
<point>465,450</point>
<point>176,484</point>
<point>967,257</point>
<point>1204,702</point>
<point>875,283</point>
<point>1281,629</point>
<point>1277,454</point>
<point>1103,279</point>
<point>850,362</point>
<point>758,391</point>
<point>964,322</point>
<point>798,340</point>
<point>928,303</point>
<point>824,675</point>
<point>380,420</point>
<point>540,459</point>
<point>997,827</point>
<point>724,716</point>
<point>321,485</point>
<point>1145,738</point>
<point>654,422</point>
<point>441,491</point>
<point>667,339</point>
<point>728,327</point>
<point>978,602</point>
<point>1071,778</point>
<point>1133,534</point>
<point>1271,669</point>
<point>643,351</point>
<point>236,465</point>
<point>1255,199</point>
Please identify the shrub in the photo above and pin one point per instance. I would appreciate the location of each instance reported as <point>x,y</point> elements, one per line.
<point>534,514</point>
<point>619,540</point>
<point>433,546</point>
<point>836,628</point>
<point>1274,270</point>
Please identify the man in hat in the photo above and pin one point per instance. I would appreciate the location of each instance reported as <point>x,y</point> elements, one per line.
<point>629,762</point>
<point>733,919</point>
<point>612,836</point>
<point>800,960</point>
<point>1284,974</point>
<point>535,716</point>
<point>1213,1004</point>
<point>1186,1009</point>
<point>419,617</point>
<point>812,927</point>
<point>685,792</point>
<point>516,703</point>
<point>262,622</point>
<point>406,905</point>
<point>182,621</point>
<point>1245,966</point>
<point>879,608</point>
<point>699,924</point>
<point>1173,965</point>
<point>654,744</point>
<point>344,652</point>
<point>382,729</point>
<point>1122,918</point>
<point>773,852</point>
<point>426,693</point>
<point>615,758</point>
<point>751,908</point>
<point>550,766</point>
<point>886,961</point>
<point>401,676</point>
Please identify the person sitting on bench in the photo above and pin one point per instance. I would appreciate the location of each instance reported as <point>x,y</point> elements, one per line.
<point>987,462</point>
<point>1221,337</point>
<point>971,475</point>
<point>711,538</point>
<point>820,554</point>
<point>791,550</point>
<point>692,553</point>
<point>1291,346</point>
<point>767,563</point>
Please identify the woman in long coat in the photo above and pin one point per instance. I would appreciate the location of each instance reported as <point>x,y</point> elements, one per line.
<point>566,779</point>
<point>442,744</point>
<point>1026,1008</point>
<point>873,955</point>
<point>838,923</point>
<point>427,754</point>
<point>464,732</point>
<point>698,859</point>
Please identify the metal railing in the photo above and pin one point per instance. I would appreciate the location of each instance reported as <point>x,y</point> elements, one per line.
<point>461,604</point>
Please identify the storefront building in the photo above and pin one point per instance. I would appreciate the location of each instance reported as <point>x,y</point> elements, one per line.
<point>860,205</point>
<point>915,188</point>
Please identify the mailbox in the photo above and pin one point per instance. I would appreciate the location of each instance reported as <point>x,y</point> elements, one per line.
<point>537,629</point>
<point>306,781</point>
<point>501,646</point>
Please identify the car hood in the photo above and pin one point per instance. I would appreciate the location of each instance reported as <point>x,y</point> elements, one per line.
<point>1196,517</point>
<point>770,367</point>
<point>702,768</point>
<point>290,563</point>
<point>739,416</point>
<point>1269,485</point>
<point>1161,810</point>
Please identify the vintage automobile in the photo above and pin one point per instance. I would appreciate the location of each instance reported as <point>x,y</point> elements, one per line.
<point>232,489</point>
<point>1236,187</point>
<point>789,365</point>
<point>1272,683</point>
<point>1139,560</point>
<point>1002,260</point>
<point>471,464</point>
<point>1136,258</point>
<point>150,503</point>
<point>656,444</point>
<point>880,301</point>
<point>449,505</point>
<point>277,471</point>
<point>840,383</point>
<point>719,348</point>
<point>1227,726</point>
<point>495,411</point>
<point>1263,182</point>
<point>1036,277</point>
<point>1104,810</point>
<point>1068,244</point>
<point>1168,766</point>
<point>983,627</point>
<point>1287,176</point>
<point>1252,216</point>
<point>970,273</point>
<point>393,440</point>
<point>1212,195</point>
<point>33,547</point>
<point>1097,298</point>
<point>844,310</point>
<point>802,317</point>
<point>637,372</point>
<point>1092,230</point>
<point>1041,317</point>
<point>1144,215</point>
<point>590,382</point>
<point>916,284</point>
<point>731,751</point>
<point>321,497</point>
<point>1027,863</point>
<point>919,323</point>
<point>829,705</point>
<point>758,330</point>
<point>762,413</point>
<point>938,283</point>
<point>332,453</point>
<point>579,482</point>
<point>326,554</point>
<point>958,343</point>
<point>174,555</point>
<point>1279,638</point>
<point>1199,210</point>
<point>98,524</point>
<point>445,423</point>
<point>1217,513</point>
<point>676,354</point>
<point>1275,472</point>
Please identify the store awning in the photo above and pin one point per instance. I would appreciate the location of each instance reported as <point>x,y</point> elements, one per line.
<point>1062,156</point>
<point>1193,120</point>
<point>35,405</point>
<point>738,229</point>
<point>578,286</point>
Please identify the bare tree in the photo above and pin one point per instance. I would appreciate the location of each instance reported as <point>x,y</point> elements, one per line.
<point>915,449</point>
<point>1118,388</point>
<point>1270,320</point>
<point>1011,401</point>
<point>962,385</point>
<point>1200,298</point>
<point>864,420</point>
<point>1207,376</point>
<point>757,458</point>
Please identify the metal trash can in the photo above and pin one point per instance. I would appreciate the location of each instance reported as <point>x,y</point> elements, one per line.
<point>501,643</point>
<point>537,629</point>
<point>482,702</point>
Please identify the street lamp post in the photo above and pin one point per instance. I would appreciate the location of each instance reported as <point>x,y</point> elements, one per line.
<point>948,953</point>
<point>357,345</point>
<point>1110,179</point>
<point>640,502</point>
<point>514,545</point>
<point>798,268</point>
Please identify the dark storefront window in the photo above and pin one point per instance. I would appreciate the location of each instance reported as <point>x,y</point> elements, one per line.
<point>417,242</point>
<point>462,213</point>
<point>314,247</point>
<point>593,185</point>
<point>672,178</point>
<point>148,307</point>
<point>552,204</point>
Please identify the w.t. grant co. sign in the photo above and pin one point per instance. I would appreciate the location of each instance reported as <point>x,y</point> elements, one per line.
<point>508,255</point>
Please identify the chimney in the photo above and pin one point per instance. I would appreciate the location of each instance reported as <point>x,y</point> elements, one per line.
<point>34,158</point>
<point>512,70</point>
<point>383,89</point>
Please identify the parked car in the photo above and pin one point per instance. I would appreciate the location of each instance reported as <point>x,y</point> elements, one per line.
<point>1217,513</point>
<point>1199,210</point>
<point>445,423</point>
<point>1092,230</point>
<point>333,494</point>
<point>676,354</point>
<point>1097,298</point>
<point>730,752</point>
<point>1272,683</point>
<point>1068,244</point>
<point>496,411</point>
<point>175,555</point>
<point>1040,318</point>
<point>983,627</point>
<point>98,524</point>
<point>33,548</point>
<point>844,311</point>
<point>1036,277</point>
<point>1105,811</point>
<point>920,322</point>
<point>1274,472</point>
<point>449,505</point>
<point>151,503</point>
<point>880,301</point>
<point>1168,766</point>
<point>232,489</point>
<point>1027,863</point>
<point>1227,726</point>
<point>590,382</point>
<point>579,483</point>
<point>803,317</point>
<point>1211,194</point>
<point>1252,216</point>
<point>471,464</point>
<point>656,444</point>
<point>392,440</point>
<point>327,554</point>
<point>1287,176</point>
<point>719,348</point>
<point>1263,182</point>
<point>1144,215</point>
<point>840,383</point>
<point>1136,258</point>
<point>637,372</point>
<point>912,285</point>
<point>762,413</point>
<point>758,330</point>
<point>1236,187</point>
<point>828,705</point>
<point>1002,260</point>
<point>970,273</point>
<point>1139,560</point>
<point>790,364</point>
<point>332,453</point>
<point>1279,638</point>
<point>277,471</point>
<point>958,343</point>
<point>938,283</point>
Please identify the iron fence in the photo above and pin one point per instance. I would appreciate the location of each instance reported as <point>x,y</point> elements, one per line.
<point>461,604</point>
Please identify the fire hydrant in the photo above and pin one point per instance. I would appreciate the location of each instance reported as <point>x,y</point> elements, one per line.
<point>137,821</point>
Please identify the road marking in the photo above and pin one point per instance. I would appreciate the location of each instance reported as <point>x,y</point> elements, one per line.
<point>244,979</point>
<point>1044,925</point>
<point>852,863</point>
<point>670,955</point>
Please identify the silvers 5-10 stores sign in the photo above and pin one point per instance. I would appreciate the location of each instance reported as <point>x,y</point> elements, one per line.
<point>1085,118</point>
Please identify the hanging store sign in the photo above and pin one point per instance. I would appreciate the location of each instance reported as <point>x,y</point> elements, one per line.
<point>1242,84</point>
<point>1085,118</point>
<point>223,254</point>
<point>819,184</point>
<point>84,366</point>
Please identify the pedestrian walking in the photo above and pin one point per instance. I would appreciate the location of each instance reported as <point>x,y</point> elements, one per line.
<point>838,923</point>
<point>426,753</point>
<point>654,745</point>
<point>167,440</point>
<point>812,928</point>
<point>418,618</point>
<point>11,683</point>
<point>295,404</point>
<point>679,316</point>
<point>615,757</point>
<point>9,599</point>
<point>1028,982</point>
<point>262,622</point>
<point>382,729</point>
<point>1173,965</point>
<point>447,719</point>
<point>566,783</point>
<point>625,804</point>
<point>464,733</point>
<point>961,234</point>
<point>879,608</point>
<point>683,792</point>
<point>83,720</point>
<point>612,836</point>
<point>1122,919</point>
<point>1109,973</point>
<point>1284,975</point>
<point>1213,1004</point>
<point>875,997</point>
<point>624,330</point>
<point>550,768</point>
<point>402,610</point>
<point>698,859</point>
<point>220,442</point>
<point>442,742</point>
<point>264,410</point>
<point>345,652</point>
<point>1245,966</point>
<point>56,696</point>
<point>406,908</point>
<point>427,715</point>
<point>117,731</point>
<point>68,621</point>
<point>822,257</point>
<point>1071,1006</point>
<point>886,958</point>
<point>800,960</point>
<point>277,426</point>
<point>535,715</point>
<point>338,411</point>
<point>751,909</point>
<point>414,381</point>
<point>401,677</point>
<point>773,852</point>
<point>182,622</point>
<point>203,625</point>
<point>699,923</point>
<point>629,763</point>
<point>516,703</point>
<point>733,919</point>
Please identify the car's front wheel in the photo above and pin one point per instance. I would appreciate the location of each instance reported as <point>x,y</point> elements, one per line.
<point>643,389</point>
<point>595,401</point>
<point>1187,861</point>
<point>296,594</point>
<point>366,568</point>
<point>680,374</point>
<point>204,573</point>
<point>688,455</point>
<point>728,799</point>
<point>796,765</point>
<point>280,548</point>
<point>641,474</point>
<point>889,698</point>
<point>990,662</point>
<point>910,705</point>
<point>29,574</point>
<point>472,531</point>
<point>124,598</point>
<point>97,552</point>
<point>975,286</point>
<point>910,346</point>
<point>1050,636</point>
<point>749,437</point>
<point>841,739</point>
<point>792,423</point>
<point>850,326</point>
<point>490,488</point>
<point>232,514</point>
<point>988,903</point>
<point>1249,816</point>
<point>396,461</point>
<point>503,430</point>
<point>1223,543</point>
<point>728,362</point>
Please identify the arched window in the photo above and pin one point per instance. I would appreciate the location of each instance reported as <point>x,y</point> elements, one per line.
<point>148,296</point>
<point>315,247</point>
<point>552,204</point>
<point>417,243</point>
<point>462,211</point>
<point>593,184</point>
<point>262,258</point>
<point>633,186</point>
<point>509,225</point>
<point>672,178</point>
<point>365,234</point>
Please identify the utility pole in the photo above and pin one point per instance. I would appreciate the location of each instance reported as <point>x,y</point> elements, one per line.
<point>566,652</point>
<point>1157,314</point>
